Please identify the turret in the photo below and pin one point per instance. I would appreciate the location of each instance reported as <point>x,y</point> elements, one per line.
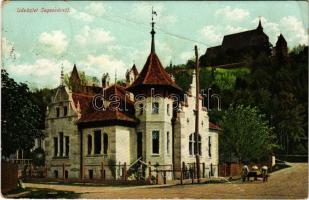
<point>281,48</point>
<point>105,80</point>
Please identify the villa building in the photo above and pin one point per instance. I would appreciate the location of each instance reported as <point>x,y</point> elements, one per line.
<point>150,119</point>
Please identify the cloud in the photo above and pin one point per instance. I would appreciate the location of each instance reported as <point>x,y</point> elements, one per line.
<point>80,15</point>
<point>292,29</point>
<point>186,55</point>
<point>295,29</point>
<point>96,8</point>
<point>95,36</point>
<point>213,35</point>
<point>96,65</point>
<point>42,73</point>
<point>55,41</point>
<point>233,14</point>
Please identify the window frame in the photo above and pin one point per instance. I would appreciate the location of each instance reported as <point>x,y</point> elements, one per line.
<point>97,148</point>
<point>105,143</point>
<point>152,142</point>
<point>89,144</point>
<point>155,109</point>
<point>57,111</point>
<point>168,143</point>
<point>56,146</point>
<point>67,146</point>
<point>65,111</point>
<point>209,146</point>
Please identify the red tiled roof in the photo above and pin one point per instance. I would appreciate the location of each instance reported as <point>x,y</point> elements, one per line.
<point>107,115</point>
<point>84,101</point>
<point>89,114</point>
<point>153,74</point>
<point>214,126</point>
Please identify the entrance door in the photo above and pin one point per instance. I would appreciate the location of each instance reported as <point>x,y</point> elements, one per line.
<point>139,144</point>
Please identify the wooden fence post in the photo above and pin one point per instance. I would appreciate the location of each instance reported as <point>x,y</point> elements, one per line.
<point>45,170</point>
<point>101,170</point>
<point>203,170</point>
<point>157,177</point>
<point>194,170</point>
<point>164,177</point>
<point>63,174</point>
<point>125,171</point>
<point>192,174</point>
<point>30,172</point>
<point>149,172</point>
<point>184,169</point>
<point>181,176</point>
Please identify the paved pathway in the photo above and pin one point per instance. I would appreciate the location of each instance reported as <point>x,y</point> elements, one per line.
<point>287,183</point>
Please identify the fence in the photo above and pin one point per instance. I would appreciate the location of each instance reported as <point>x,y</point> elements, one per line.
<point>9,176</point>
<point>140,172</point>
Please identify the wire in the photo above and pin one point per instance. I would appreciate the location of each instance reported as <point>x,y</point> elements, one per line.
<point>140,23</point>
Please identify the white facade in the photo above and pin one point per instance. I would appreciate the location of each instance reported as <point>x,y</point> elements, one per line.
<point>82,158</point>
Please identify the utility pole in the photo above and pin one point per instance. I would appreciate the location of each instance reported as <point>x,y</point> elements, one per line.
<point>197,108</point>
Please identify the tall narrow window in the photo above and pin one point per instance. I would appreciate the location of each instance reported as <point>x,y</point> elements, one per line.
<point>195,146</point>
<point>61,144</point>
<point>168,109</point>
<point>168,142</point>
<point>55,146</point>
<point>97,142</point>
<point>155,107</point>
<point>89,144</point>
<point>209,146</point>
<point>65,110</point>
<point>67,146</point>
<point>141,109</point>
<point>155,142</point>
<point>57,111</point>
<point>190,145</point>
<point>105,138</point>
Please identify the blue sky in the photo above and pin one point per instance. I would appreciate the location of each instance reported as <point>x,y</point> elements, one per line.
<point>110,36</point>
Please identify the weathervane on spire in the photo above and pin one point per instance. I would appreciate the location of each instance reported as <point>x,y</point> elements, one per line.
<point>152,31</point>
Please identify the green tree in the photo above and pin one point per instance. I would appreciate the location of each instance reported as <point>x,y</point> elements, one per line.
<point>246,133</point>
<point>20,116</point>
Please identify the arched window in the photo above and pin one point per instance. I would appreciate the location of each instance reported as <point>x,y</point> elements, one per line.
<point>105,138</point>
<point>89,144</point>
<point>192,144</point>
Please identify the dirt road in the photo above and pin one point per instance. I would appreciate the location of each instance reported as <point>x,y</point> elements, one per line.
<point>287,183</point>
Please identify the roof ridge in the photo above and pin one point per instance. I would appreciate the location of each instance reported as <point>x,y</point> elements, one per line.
<point>149,67</point>
<point>252,30</point>
<point>82,94</point>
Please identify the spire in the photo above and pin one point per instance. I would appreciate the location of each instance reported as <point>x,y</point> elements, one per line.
<point>61,75</point>
<point>260,27</point>
<point>152,31</point>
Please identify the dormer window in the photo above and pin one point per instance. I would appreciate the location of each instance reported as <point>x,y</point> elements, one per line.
<point>57,111</point>
<point>65,111</point>
<point>155,108</point>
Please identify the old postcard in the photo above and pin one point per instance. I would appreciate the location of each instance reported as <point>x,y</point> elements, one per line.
<point>143,99</point>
